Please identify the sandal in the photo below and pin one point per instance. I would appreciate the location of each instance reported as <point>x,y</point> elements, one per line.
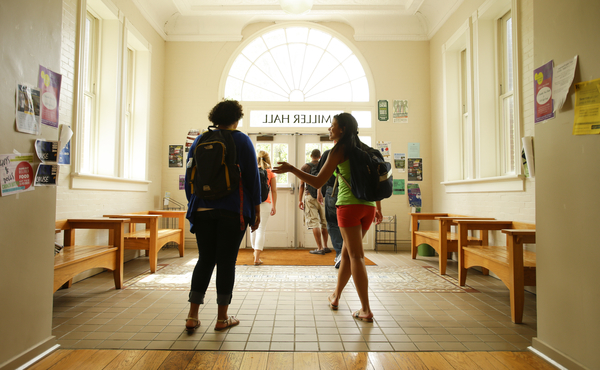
<point>190,329</point>
<point>230,321</point>
<point>260,262</point>
<point>331,305</point>
<point>356,314</point>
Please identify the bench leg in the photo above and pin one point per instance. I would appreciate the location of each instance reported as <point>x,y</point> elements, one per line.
<point>118,276</point>
<point>517,303</point>
<point>413,250</point>
<point>462,276</point>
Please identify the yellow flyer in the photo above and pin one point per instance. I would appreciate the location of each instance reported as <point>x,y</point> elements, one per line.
<point>587,108</point>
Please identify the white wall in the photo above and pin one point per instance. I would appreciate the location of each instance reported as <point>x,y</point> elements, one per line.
<point>568,205</point>
<point>400,71</point>
<point>30,37</point>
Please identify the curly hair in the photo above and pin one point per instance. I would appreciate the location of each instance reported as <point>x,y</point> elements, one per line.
<point>226,113</point>
<point>264,160</point>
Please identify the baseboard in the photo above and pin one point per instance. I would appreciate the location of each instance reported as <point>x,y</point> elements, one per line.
<point>558,357</point>
<point>32,355</point>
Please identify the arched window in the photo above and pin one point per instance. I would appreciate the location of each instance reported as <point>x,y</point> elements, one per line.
<point>297,64</point>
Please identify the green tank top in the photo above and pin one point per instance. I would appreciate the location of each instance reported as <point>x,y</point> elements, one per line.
<point>345,196</point>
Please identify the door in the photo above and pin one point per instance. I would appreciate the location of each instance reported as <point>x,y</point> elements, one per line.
<point>280,227</point>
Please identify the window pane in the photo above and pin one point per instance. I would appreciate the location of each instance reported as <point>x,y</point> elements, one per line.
<point>365,139</point>
<point>297,34</point>
<point>363,118</point>
<point>254,49</point>
<point>267,64</point>
<point>335,78</point>
<point>509,125</point>
<point>339,50</point>
<point>282,56</point>
<point>319,38</point>
<point>86,147</point>
<point>265,147</point>
<point>87,57</point>
<point>360,90</point>
<point>340,93</point>
<point>325,66</point>
<point>280,154</point>
<point>297,52</point>
<point>308,148</point>
<point>257,77</point>
<point>353,67</point>
<point>274,38</point>
<point>240,67</point>
<point>233,88</point>
<point>254,93</point>
<point>509,56</point>
<point>313,56</point>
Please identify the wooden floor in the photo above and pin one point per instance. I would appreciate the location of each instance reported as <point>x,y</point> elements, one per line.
<point>90,359</point>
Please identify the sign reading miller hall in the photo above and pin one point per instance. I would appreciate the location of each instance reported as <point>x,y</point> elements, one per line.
<point>288,118</point>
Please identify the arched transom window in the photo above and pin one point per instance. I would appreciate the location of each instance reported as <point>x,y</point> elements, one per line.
<point>297,64</point>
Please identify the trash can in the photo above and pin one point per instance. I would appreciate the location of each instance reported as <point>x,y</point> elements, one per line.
<point>425,250</point>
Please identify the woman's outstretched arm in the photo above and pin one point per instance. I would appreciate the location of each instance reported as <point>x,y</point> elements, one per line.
<point>335,157</point>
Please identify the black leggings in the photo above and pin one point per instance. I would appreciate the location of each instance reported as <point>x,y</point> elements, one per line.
<point>219,236</point>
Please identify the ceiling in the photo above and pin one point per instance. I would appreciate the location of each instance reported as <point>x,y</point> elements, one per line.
<point>224,20</point>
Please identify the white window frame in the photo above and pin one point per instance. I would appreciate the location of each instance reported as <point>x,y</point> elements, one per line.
<point>475,148</point>
<point>110,105</point>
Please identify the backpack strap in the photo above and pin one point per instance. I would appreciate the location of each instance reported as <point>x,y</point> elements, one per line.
<point>339,174</point>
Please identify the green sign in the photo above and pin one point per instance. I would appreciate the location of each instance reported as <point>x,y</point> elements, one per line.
<point>382,108</point>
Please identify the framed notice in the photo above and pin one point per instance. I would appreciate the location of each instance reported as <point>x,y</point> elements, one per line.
<point>383,110</point>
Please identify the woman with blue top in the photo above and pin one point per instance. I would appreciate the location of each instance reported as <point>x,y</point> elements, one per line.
<point>354,215</point>
<point>216,223</point>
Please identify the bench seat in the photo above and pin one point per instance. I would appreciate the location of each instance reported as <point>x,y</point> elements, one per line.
<point>75,259</point>
<point>152,238</point>
<point>442,240</point>
<point>513,265</point>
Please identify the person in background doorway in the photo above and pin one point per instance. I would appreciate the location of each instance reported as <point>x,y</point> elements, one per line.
<point>218,223</point>
<point>329,200</point>
<point>354,215</point>
<point>314,212</point>
<point>267,208</point>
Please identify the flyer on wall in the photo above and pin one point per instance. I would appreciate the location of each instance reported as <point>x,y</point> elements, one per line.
<point>46,175</point>
<point>415,169</point>
<point>542,89</point>
<point>49,84</point>
<point>400,111</point>
<point>400,161</point>
<point>17,173</point>
<point>385,150</point>
<point>587,108</point>
<point>189,140</point>
<point>414,195</point>
<point>175,155</point>
<point>28,109</point>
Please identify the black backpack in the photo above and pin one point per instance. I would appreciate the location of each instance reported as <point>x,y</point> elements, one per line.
<point>264,184</point>
<point>214,171</point>
<point>314,170</point>
<point>371,176</point>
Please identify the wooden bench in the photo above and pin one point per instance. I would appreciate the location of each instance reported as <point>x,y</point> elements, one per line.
<point>75,259</point>
<point>442,240</point>
<point>152,238</point>
<point>513,265</point>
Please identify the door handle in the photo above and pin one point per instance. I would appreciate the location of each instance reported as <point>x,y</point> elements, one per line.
<point>292,188</point>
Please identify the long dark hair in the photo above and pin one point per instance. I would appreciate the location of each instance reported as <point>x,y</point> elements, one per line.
<point>349,138</point>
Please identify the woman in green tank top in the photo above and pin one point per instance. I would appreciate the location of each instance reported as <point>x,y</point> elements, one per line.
<point>354,215</point>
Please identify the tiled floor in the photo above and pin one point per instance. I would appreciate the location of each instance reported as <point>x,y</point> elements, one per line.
<point>92,314</point>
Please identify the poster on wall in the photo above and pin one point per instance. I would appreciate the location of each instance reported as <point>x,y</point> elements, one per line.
<point>400,114</point>
<point>49,84</point>
<point>181,182</point>
<point>587,108</point>
<point>28,109</point>
<point>175,155</point>
<point>16,173</point>
<point>46,175</point>
<point>398,187</point>
<point>414,195</point>
<point>400,161</point>
<point>414,150</point>
<point>383,110</point>
<point>415,169</point>
<point>542,88</point>
<point>189,140</point>
<point>385,150</point>
<point>563,75</point>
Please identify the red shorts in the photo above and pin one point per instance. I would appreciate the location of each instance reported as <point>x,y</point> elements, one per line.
<point>355,214</point>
